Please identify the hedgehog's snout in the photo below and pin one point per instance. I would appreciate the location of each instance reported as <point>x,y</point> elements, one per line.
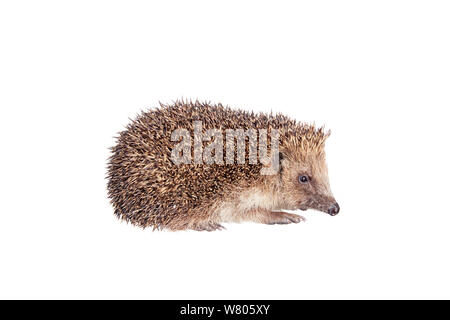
<point>333,209</point>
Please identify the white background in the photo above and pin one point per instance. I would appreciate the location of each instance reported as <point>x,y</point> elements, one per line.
<point>377,73</point>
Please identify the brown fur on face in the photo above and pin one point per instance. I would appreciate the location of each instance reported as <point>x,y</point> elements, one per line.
<point>316,192</point>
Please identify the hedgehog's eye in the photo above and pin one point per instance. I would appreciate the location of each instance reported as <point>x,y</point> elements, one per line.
<point>303,179</point>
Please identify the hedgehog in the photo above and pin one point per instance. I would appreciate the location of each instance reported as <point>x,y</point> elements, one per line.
<point>147,188</point>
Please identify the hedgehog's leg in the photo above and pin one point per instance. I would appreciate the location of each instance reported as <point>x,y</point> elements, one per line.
<point>208,226</point>
<point>274,217</point>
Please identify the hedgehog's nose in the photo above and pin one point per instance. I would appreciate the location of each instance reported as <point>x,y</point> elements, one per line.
<point>333,209</point>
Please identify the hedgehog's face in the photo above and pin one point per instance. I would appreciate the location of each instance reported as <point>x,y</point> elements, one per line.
<point>305,183</point>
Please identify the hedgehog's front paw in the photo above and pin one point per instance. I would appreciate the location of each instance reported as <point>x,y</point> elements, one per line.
<point>284,218</point>
<point>208,226</point>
